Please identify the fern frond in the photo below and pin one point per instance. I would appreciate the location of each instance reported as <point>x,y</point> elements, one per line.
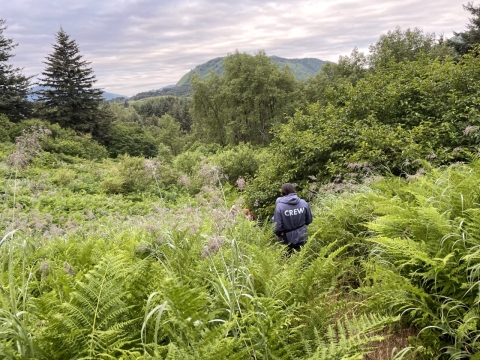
<point>352,337</point>
<point>93,323</point>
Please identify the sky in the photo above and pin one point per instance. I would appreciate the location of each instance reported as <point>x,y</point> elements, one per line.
<point>140,45</point>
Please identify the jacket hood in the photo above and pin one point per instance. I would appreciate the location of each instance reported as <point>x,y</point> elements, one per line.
<point>291,199</point>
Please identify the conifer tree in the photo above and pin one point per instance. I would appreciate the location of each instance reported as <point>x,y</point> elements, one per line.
<point>14,86</point>
<point>464,41</point>
<point>67,95</point>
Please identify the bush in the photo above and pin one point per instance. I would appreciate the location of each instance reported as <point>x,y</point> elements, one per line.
<point>112,185</point>
<point>165,153</point>
<point>62,141</point>
<point>132,140</point>
<point>241,161</point>
<point>5,126</point>
<point>64,177</point>
<point>188,162</point>
<point>130,176</point>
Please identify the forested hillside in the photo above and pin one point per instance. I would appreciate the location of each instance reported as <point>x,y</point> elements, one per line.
<point>123,235</point>
<point>302,69</point>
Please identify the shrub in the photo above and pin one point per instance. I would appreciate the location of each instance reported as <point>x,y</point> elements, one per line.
<point>239,161</point>
<point>131,174</point>
<point>188,162</point>
<point>5,126</point>
<point>131,139</point>
<point>62,141</point>
<point>64,177</point>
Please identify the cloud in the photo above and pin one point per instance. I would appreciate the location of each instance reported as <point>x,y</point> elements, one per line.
<point>138,45</point>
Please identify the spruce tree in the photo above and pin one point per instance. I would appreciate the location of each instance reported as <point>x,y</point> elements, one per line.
<point>67,95</point>
<point>14,86</point>
<point>464,41</point>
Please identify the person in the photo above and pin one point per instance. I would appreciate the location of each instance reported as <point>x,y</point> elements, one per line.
<point>291,217</point>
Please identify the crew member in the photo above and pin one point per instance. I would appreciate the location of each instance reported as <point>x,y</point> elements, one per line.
<point>292,215</point>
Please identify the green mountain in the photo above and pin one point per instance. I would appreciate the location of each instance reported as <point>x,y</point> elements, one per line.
<point>302,69</point>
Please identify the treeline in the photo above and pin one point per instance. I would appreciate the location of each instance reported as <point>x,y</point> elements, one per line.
<point>181,90</point>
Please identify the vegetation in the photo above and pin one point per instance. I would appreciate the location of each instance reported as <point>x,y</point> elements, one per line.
<point>302,69</point>
<point>154,108</point>
<point>181,91</point>
<point>150,271</point>
<point>466,40</point>
<point>243,105</point>
<point>14,85</point>
<point>67,95</point>
<point>132,244</point>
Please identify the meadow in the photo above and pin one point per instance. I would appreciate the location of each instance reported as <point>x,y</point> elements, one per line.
<point>391,268</point>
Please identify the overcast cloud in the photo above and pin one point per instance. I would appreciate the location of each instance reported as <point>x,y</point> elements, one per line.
<point>139,45</point>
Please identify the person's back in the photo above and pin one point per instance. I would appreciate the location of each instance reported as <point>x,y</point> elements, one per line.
<point>292,215</point>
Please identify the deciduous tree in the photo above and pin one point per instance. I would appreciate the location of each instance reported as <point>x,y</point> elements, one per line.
<point>244,104</point>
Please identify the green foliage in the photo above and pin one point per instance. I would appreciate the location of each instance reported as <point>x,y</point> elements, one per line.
<point>188,162</point>
<point>348,70</point>
<point>122,114</point>
<point>14,316</point>
<point>391,121</point>
<point>131,139</point>
<point>131,175</point>
<point>350,338</point>
<point>398,46</point>
<point>67,95</point>
<point>62,140</point>
<point>93,323</point>
<point>137,275</point>
<point>424,257</point>
<point>14,86</point>
<point>5,126</point>
<point>465,41</point>
<point>155,108</point>
<point>241,161</point>
<point>245,103</point>
<point>167,132</point>
<point>105,245</point>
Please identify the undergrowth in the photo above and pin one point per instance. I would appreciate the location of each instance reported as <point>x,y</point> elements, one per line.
<point>88,273</point>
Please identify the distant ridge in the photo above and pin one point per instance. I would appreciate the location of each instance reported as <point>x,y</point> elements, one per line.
<point>110,96</point>
<point>171,90</point>
<point>302,69</point>
<point>106,95</point>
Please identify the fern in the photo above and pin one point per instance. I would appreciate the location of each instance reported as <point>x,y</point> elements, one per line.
<point>15,332</point>
<point>320,275</point>
<point>92,324</point>
<point>348,339</point>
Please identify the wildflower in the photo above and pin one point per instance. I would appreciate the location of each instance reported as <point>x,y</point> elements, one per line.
<point>68,269</point>
<point>469,129</point>
<point>214,245</point>
<point>240,183</point>
<point>456,150</point>
<point>184,180</point>
<point>44,269</point>
<point>27,146</point>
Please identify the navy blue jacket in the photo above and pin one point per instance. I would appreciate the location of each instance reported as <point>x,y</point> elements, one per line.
<point>292,215</point>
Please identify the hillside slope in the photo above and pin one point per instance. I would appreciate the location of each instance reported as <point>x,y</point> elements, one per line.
<point>302,69</point>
